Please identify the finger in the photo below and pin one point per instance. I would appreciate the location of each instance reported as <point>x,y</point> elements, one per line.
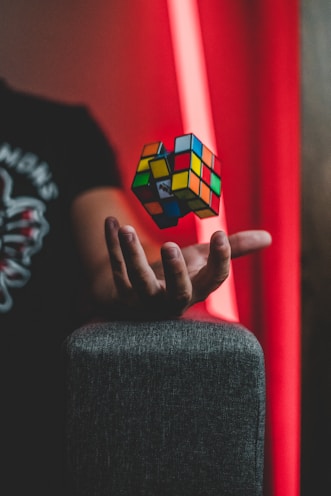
<point>178,281</point>
<point>116,258</point>
<point>217,268</point>
<point>245,242</point>
<point>141,275</point>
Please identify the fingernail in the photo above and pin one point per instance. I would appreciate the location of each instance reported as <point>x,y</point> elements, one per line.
<point>111,222</point>
<point>171,253</point>
<point>219,238</point>
<point>127,234</point>
<point>127,237</point>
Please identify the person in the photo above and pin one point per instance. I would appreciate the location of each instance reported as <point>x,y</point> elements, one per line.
<point>71,248</point>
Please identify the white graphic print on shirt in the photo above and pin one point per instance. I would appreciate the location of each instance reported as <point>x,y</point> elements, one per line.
<point>22,228</point>
<point>28,164</point>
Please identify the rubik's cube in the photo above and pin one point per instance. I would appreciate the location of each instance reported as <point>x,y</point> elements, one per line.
<point>171,184</point>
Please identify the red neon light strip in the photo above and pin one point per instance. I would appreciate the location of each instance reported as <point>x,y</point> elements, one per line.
<point>197,118</point>
<point>280,120</point>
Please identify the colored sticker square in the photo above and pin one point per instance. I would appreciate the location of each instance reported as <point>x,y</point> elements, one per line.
<point>205,193</point>
<point>182,161</point>
<point>204,213</point>
<point>184,194</point>
<point>215,203</point>
<point>145,194</point>
<point>179,181</point>
<point>143,165</point>
<point>215,183</point>
<point>152,149</point>
<point>172,208</point>
<point>217,166</point>
<point>196,164</point>
<point>159,167</point>
<point>141,179</point>
<point>207,156</point>
<point>163,221</point>
<point>197,146</point>
<point>194,184</point>
<point>153,208</point>
<point>164,188</point>
<point>196,204</point>
<point>206,174</point>
<point>183,143</point>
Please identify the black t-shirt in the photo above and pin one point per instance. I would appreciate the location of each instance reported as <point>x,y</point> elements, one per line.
<point>49,154</point>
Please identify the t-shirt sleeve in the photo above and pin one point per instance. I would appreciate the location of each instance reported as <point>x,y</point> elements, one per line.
<point>93,161</point>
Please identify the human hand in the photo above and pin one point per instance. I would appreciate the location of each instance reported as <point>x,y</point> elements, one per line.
<point>181,278</point>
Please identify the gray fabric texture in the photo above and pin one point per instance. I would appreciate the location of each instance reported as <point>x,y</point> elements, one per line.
<point>166,408</point>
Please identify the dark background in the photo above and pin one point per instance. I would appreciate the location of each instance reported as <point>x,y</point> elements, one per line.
<point>316,246</point>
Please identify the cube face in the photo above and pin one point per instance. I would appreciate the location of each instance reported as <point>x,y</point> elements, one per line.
<point>172,184</point>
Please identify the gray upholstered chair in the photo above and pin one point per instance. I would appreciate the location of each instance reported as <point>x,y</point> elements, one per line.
<point>164,408</point>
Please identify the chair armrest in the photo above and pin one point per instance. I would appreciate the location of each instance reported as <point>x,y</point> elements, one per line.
<point>166,408</point>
